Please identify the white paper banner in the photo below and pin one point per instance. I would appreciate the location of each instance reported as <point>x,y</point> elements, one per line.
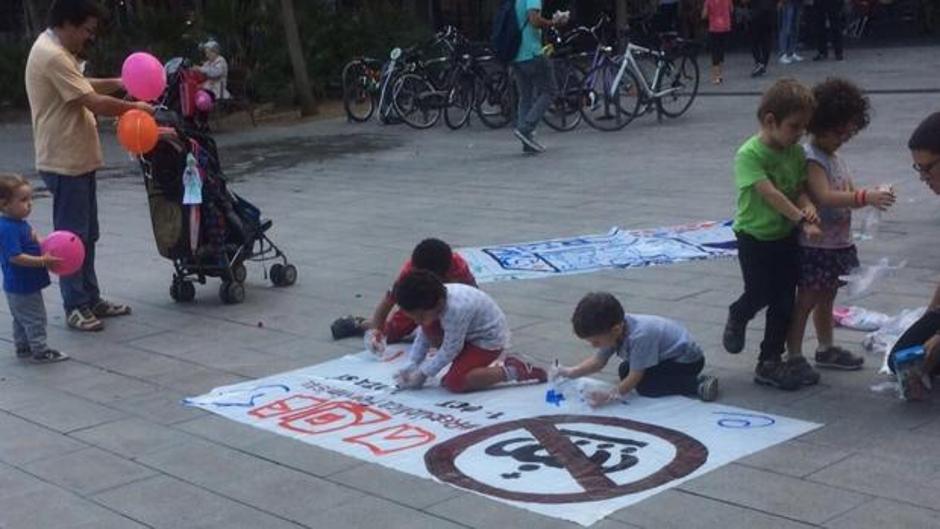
<point>562,459</point>
<point>589,253</point>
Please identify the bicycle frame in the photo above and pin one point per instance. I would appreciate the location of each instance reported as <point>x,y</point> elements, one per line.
<point>629,61</point>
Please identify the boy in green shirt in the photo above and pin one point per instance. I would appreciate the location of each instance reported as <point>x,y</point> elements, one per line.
<point>770,172</point>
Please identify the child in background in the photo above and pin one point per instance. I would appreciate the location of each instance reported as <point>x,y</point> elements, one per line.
<point>841,112</point>
<point>658,355</point>
<point>718,15</point>
<point>433,255</point>
<point>24,271</point>
<point>770,174</point>
<point>469,331</point>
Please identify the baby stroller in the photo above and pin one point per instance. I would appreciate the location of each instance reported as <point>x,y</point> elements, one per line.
<point>198,222</point>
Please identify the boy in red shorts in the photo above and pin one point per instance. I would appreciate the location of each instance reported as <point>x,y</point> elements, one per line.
<point>467,328</point>
<point>433,255</point>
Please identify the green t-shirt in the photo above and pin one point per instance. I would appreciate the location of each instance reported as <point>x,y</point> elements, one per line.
<point>531,45</point>
<point>785,169</point>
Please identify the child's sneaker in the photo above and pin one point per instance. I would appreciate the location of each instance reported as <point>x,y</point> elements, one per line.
<point>348,326</point>
<point>49,356</point>
<point>838,358</point>
<point>707,388</point>
<point>776,374</point>
<point>520,371</point>
<point>803,371</point>
<point>83,319</point>
<point>733,337</point>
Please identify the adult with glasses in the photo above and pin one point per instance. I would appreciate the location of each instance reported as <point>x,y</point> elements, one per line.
<point>925,150</point>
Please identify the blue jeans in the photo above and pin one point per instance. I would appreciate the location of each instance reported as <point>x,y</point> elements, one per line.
<point>789,36</point>
<point>75,209</point>
<point>29,321</point>
<point>536,84</point>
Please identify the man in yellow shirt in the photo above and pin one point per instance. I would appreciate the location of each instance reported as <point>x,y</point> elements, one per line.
<point>63,103</point>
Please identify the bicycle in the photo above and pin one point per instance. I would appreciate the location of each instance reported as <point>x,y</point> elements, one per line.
<point>366,84</point>
<point>631,93</point>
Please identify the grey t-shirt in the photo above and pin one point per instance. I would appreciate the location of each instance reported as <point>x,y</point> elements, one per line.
<point>651,340</point>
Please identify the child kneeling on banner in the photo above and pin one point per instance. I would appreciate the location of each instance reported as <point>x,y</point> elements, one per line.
<point>658,355</point>
<point>468,329</point>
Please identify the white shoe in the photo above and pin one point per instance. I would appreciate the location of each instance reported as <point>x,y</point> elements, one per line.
<point>796,58</point>
<point>785,59</point>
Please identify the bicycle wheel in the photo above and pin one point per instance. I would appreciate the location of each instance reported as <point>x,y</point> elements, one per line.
<point>564,113</point>
<point>607,110</point>
<point>496,99</point>
<point>358,95</point>
<point>681,76</point>
<point>461,102</point>
<point>413,97</point>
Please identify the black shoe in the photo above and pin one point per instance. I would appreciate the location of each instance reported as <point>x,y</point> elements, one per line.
<point>820,57</point>
<point>803,371</point>
<point>528,141</point>
<point>348,326</point>
<point>733,337</point>
<point>776,374</point>
<point>759,70</point>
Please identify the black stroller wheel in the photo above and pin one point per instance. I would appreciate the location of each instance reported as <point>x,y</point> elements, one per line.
<point>276,274</point>
<point>231,293</point>
<point>239,273</point>
<point>289,276</point>
<point>182,291</point>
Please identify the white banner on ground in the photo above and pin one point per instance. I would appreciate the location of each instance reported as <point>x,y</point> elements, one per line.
<point>589,253</point>
<point>560,459</point>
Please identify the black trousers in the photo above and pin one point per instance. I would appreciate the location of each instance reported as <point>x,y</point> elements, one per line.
<point>922,330</point>
<point>828,11</point>
<point>771,270</point>
<point>667,378</point>
<point>763,25</point>
<point>717,43</point>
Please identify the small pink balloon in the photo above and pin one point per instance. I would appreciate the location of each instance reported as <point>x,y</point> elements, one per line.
<point>204,101</point>
<point>143,76</point>
<point>66,246</point>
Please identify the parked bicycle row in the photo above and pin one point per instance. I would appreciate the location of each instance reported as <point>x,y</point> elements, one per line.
<point>448,76</point>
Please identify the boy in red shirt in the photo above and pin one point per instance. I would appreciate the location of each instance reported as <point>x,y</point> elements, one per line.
<point>433,255</point>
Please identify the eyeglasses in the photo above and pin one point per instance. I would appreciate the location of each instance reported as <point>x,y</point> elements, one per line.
<point>925,170</point>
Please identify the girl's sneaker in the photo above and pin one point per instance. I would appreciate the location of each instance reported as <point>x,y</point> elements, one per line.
<point>838,358</point>
<point>805,372</point>
<point>707,388</point>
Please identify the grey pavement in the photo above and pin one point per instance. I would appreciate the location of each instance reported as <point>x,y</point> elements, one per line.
<point>102,441</point>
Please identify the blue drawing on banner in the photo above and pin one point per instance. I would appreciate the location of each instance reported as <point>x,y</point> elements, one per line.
<point>617,249</point>
<point>744,420</point>
<point>554,397</point>
<point>238,396</point>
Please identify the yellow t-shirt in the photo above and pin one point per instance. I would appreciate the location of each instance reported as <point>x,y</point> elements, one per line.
<point>64,131</point>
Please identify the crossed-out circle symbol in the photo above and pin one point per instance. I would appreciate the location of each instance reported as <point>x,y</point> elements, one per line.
<point>689,456</point>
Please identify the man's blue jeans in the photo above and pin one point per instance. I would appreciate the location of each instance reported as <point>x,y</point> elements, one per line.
<point>75,209</point>
<point>536,83</point>
<point>789,36</point>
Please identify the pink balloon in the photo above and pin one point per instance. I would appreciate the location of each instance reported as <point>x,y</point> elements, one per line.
<point>204,101</point>
<point>66,246</point>
<point>143,76</point>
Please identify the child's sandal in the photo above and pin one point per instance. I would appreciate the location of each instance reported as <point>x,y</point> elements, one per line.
<point>49,356</point>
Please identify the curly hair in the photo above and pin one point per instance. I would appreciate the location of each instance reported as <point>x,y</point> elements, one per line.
<point>839,103</point>
<point>419,290</point>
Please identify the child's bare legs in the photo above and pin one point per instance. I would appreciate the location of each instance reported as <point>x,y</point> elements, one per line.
<point>807,299</point>
<point>822,319</point>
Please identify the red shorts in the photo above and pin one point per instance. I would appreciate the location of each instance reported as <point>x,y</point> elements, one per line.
<point>470,358</point>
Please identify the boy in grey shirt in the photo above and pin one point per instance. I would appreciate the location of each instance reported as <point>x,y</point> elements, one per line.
<point>658,356</point>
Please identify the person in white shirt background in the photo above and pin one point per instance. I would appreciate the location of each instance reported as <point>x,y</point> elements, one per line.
<point>215,68</point>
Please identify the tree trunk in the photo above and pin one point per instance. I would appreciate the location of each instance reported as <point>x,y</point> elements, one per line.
<point>308,105</point>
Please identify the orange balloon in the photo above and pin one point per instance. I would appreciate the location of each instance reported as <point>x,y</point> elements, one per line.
<point>137,131</point>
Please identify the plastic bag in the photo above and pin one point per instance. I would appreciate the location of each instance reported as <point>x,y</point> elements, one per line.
<point>863,278</point>
<point>859,318</point>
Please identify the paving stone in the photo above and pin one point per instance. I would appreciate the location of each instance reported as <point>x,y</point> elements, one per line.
<point>395,486</point>
<point>132,437</point>
<point>88,471</point>
<point>162,407</point>
<point>676,509</point>
<point>910,481</point>
<point>22,441</point>
<point>774,493</point>
<point>477,511</point>
<point>881,513</point>
<point>795,458</point>
<point>163,502</point>
<point>67,413</point>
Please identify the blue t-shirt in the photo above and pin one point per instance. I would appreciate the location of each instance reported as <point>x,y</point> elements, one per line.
<point>531,45</point>
<point>16,238</point>
<point>652,340</point>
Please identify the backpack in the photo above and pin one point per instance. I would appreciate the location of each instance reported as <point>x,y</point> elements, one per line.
<point>507,34</point>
